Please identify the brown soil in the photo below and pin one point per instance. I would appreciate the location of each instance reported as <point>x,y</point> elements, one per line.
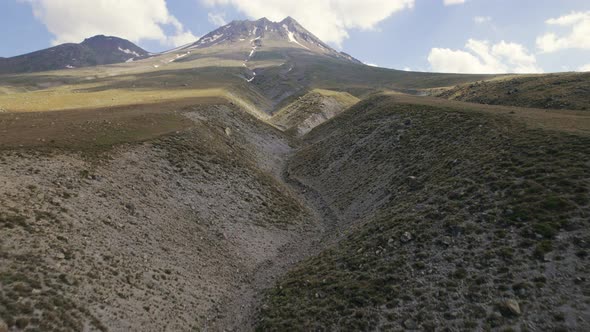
<point>181,217</point>
<point>89,128</point>
<point>176,233</point>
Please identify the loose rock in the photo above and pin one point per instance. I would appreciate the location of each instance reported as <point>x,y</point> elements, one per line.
<point>511,308</point>
<point>406,237</point>
<point>410,324</point>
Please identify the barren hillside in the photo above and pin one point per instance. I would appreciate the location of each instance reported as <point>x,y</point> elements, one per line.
<point>259,180</point>
<point>148,236</point>
<point>452,218</point>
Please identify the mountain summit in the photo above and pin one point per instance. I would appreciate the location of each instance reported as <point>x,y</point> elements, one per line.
<point>97,50</point>
<point>263,32</point>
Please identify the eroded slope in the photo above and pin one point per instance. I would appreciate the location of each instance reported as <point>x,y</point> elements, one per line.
<point>447,214</point>
<point>455,218</point>
<point>310,110</point>
<point>152,236</point>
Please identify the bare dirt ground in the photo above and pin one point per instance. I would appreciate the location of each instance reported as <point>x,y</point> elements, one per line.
<point>174,217</point>
<point>180,232</point>
<point>92,128</point>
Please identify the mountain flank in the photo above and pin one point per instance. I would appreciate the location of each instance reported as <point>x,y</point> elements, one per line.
<point>94,51</point>
<point>287,32</point>
<point>258,180</point>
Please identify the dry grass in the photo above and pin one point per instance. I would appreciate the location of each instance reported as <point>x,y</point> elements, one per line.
<point>96,128</point>
<point>64,98</point>
<point>551,91</point>
<point>557,120</point>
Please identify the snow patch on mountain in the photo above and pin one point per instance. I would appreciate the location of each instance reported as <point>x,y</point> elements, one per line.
<point>252,78</point>
<point>209,40</point>
<point>179,56</point>
<point>126,51</point>
<point>262,31</point>
<point>292,37</point>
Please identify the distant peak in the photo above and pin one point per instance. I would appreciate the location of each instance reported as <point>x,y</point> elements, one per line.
<point>101,38</point>
<point>254,34</point>
<point>95,50</point>
<point>264,20</point>
<point>289,20</point>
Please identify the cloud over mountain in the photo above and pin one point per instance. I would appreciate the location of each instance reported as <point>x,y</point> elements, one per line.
<point>330,20</point>
<point>74,20</point>
<point>482,57</point>
<point>578,35</point>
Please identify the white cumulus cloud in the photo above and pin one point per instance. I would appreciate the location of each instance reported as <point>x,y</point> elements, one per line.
<point>585,68</point>
<point>330,20</point>
<point>578,35</point>
<point>483,58</point>
<point>453,2</point>
<point>217,19</point>
<point>74,20</point>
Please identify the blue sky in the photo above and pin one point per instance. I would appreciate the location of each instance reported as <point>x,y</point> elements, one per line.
<point>425,35</point>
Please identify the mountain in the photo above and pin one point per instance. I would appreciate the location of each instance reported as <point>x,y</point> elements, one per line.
<point>283,60</point>
<point>287,32</point>
<point>258,180</point>
<point>97,50</point>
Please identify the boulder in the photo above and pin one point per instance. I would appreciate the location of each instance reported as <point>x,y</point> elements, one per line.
<point>406,237</point>
<point>511,307</point>
<point>410,324</point>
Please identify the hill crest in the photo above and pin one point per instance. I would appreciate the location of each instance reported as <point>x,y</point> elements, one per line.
<point>93,51</point>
